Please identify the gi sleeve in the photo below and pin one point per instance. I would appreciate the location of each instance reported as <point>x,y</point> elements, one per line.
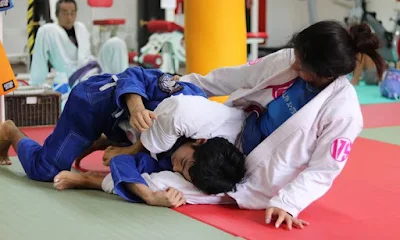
<point>328,160</point>
<point>224,81</point>
<point>39,67</point>
<point>128,169</point>
<point>135,80</point>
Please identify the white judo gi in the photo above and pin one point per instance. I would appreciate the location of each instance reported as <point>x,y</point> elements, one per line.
<point>53,45</point>
<point>298,162</point>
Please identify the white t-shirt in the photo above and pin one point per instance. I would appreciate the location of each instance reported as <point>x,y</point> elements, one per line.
<point>193,117</point>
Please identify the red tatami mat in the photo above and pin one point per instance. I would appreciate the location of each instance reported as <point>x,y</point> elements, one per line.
<point>364,203</point>
<point>381,115</point>
<point>38,134</point>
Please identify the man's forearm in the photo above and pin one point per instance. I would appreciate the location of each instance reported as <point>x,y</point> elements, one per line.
<point>134,102</point>
<point>138,146</point>
<point>131,150</point>
<point>142,191</point>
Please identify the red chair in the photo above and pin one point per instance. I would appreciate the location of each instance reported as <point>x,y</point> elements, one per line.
<point>100,3</point>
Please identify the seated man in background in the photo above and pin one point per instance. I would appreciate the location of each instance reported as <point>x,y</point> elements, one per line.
<point>66,45</point>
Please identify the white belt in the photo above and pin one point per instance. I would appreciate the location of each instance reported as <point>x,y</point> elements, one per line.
<point>106,86</point>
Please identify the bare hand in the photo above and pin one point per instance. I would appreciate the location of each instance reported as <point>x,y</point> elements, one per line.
<point>141,119</point>
<point>176,78</point>
<point>113,151</point>
<point>280,216</point>
<point>108,155</point>
<point>168,198</point>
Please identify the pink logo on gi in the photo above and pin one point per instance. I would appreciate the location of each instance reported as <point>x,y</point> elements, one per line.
<point>393,75</point>
<point>254,61</point>
<point>278,90</point>
<point>340,149</point>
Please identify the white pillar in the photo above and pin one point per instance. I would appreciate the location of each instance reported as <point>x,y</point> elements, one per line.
<point>169,6</point>
<point>254,29</point>
<point>168,64</point>
<point>53,10</point>
<point>2,103</point>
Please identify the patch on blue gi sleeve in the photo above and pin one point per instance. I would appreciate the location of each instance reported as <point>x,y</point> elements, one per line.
<point>168,85</point>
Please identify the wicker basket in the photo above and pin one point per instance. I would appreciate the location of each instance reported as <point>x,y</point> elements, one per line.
<point>29,106</point>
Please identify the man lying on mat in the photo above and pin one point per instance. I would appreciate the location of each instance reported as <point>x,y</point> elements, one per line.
<point>214,165</point>
<point>99,104</point>
<point>135,178</point>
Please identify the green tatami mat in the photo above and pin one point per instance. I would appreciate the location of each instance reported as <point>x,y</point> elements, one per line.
<point>385,134</point>
<point>370,95</point>
<point>34,210</point>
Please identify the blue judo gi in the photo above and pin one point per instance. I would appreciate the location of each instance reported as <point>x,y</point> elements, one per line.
<point>128,169</point>
<point>95,106</point>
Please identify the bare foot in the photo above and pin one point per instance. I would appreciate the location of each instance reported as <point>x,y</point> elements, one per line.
<point>67,180</point>
<point>113,151</point>
<point>5,143</point>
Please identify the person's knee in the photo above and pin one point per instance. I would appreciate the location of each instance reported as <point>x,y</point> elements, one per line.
<point>38,174</point>
<point>115,42</point>
<point>36,164</point>
<point>114,47</point>
<point>218,167</point>
<point>9,128</point>
<point>113,56</point>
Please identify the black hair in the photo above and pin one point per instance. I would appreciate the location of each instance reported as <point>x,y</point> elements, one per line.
<point>328,50</point>
<point>218,166</point>
<point>58,5</point>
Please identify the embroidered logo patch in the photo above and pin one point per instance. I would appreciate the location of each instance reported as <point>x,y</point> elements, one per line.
<point>168,85</point>
<point>254,61</point>
<point>278,90</point>
<point>4,3</point>
<point>8,85</point>
<point>340,149</point>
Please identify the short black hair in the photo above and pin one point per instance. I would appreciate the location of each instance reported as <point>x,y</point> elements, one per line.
<point>329,50</point>
<point>218,166</point>
<point>58,5</point>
